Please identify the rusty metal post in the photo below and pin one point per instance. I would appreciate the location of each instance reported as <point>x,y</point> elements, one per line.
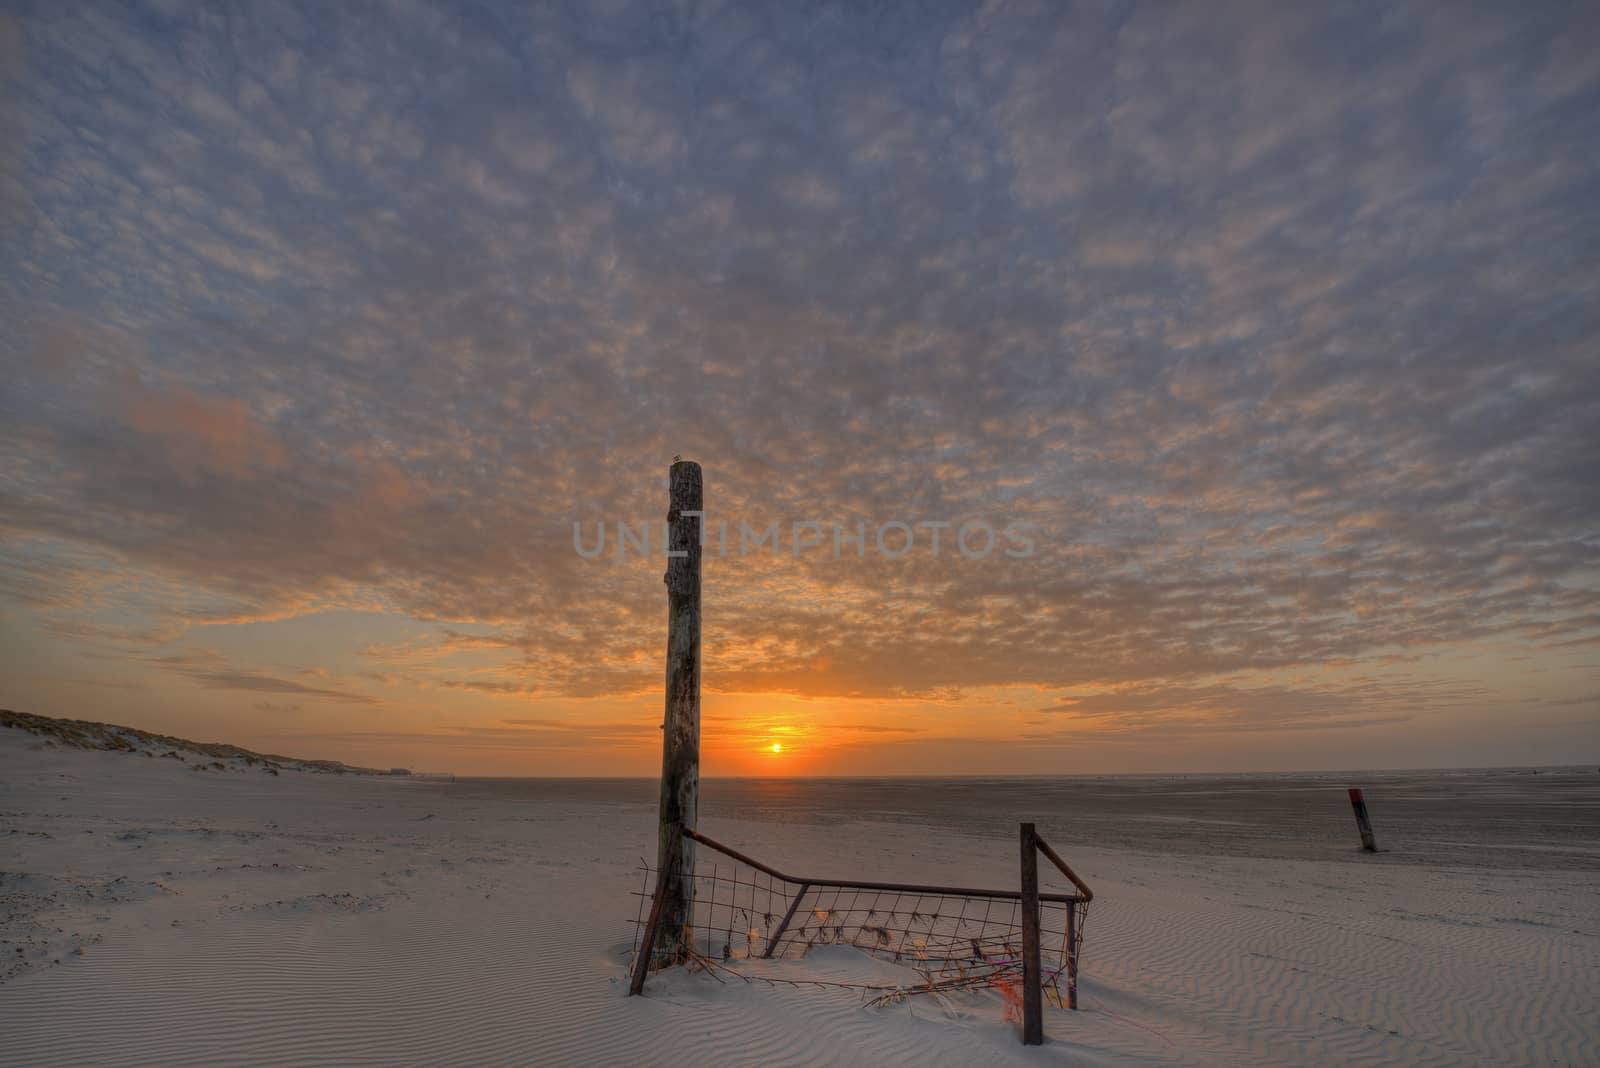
<point>680,735</point>
<point>777,935</point>
<point>1032,1005</point>
<point>647,941</point>
<point>1072,954</point>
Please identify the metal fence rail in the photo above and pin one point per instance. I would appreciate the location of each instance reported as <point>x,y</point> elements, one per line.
<point>953,936</point>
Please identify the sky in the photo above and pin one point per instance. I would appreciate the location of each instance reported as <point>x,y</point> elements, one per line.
<point>1263,340</point>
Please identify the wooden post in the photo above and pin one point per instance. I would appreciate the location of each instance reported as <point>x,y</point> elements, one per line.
<point>1032,1006</point>
<point>680,735</point>
<point>1363,823</point>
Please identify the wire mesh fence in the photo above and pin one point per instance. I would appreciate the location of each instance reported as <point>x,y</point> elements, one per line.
<point>950,937</point>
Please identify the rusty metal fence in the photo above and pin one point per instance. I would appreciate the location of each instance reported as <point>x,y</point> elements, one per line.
<point>952,937</point>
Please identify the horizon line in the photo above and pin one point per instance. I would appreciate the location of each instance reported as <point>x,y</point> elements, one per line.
<point>1023,776</point>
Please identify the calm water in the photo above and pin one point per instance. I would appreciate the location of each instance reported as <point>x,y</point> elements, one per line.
<point>1501,818</point>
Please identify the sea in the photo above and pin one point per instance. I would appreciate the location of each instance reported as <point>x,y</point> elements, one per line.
<point>1499,818</point>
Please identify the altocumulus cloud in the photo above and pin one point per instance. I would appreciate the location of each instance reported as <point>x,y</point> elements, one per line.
<point>1278,322</point>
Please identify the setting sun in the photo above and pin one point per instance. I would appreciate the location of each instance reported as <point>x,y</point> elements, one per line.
<point>777,747</point>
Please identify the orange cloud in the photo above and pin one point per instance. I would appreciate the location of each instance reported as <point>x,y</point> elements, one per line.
<point>198,431</point>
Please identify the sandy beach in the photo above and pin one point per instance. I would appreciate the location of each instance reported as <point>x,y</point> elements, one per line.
<point>156,912</point>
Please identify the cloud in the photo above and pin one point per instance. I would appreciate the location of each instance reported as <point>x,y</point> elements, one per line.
<point>196,431</point>
<point>556,739</point>
<point>241,680</point>
<point>1277,325</point>
<point>1237,706</point>
<point>212,671</point>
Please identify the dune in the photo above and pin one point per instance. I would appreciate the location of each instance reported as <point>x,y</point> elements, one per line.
<point>152,915</point>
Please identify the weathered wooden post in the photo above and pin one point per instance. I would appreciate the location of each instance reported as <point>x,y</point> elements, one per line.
<point>680,735</point>
<point>1363,823</point>
<point>1032,1006</point>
